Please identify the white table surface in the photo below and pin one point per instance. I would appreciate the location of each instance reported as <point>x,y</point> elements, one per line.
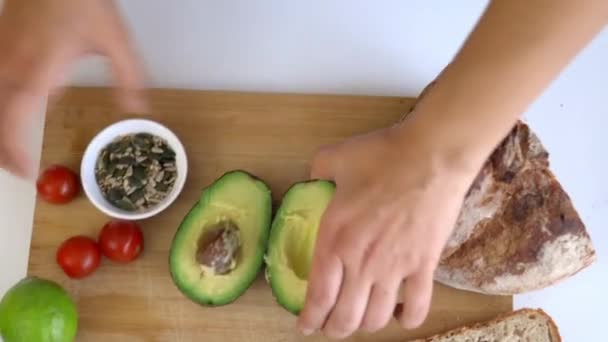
<point>356,47</point>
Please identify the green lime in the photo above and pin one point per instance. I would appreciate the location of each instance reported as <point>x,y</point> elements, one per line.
<point>37,310</point>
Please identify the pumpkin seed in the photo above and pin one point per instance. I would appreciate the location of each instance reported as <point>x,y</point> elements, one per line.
<point>110,168</point>
<point>145,137</point>
<point>168,155</point>
<point>139,172</point>
<point>135,182</point>
<point>162,187</point>
<point>125,204</point>
<point>115,194</point>
<point>113,148</point>
<point>120,171</point>
<point>128,160</point>
<point>137,195</point>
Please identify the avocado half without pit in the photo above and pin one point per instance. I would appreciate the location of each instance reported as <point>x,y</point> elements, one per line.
<point>292,241</point>
<point>218,250</point>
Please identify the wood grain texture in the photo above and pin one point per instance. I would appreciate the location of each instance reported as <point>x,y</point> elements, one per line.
<point>270,135</point>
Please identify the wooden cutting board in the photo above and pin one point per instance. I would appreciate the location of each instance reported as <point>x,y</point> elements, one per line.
<point>270,135</point>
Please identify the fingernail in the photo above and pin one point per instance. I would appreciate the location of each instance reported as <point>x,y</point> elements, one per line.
<point>306,331</point>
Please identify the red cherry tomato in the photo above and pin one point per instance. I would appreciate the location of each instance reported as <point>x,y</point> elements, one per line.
<point>79,256</point>
<point>58,185</point>
<point>121,241</point>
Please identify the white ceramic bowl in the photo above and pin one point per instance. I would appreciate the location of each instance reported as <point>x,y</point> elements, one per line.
<point>87,167</point>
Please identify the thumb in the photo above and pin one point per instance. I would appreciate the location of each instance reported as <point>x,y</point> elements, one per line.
<point>322,165</point>
<point>125,65</point>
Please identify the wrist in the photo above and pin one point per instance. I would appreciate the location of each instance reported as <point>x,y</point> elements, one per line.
<point>453,145</point>
<point>457,126</point>
<point>436,156</point>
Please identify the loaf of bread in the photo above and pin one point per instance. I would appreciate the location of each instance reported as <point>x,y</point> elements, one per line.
<point>524,325</point>
<point>518,230</point>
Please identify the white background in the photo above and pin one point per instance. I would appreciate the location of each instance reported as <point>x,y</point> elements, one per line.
<point>356,47</point>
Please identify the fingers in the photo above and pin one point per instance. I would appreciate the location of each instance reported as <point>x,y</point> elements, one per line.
<point>128,79</point>
<point>350,308</point>
<point>417,294</point>
<point>116,45</point>
<point>323,287</point>
<point>382,301</point>
<point>16,107</point>
<point>322,167</point>
<point>24,83</point>
<point>16,160</point>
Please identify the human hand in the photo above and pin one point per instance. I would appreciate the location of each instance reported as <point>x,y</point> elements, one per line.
<point>396,202</point>
<point>39,40</point>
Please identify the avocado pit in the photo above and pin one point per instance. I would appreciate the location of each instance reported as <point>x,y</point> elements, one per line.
<point>219,247</point>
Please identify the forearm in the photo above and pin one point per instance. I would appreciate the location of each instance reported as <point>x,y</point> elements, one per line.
<point>515,51</point>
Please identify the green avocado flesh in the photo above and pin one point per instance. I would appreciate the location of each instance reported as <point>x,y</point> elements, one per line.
<point>37,310</point>
<point>292,241</point>
<point>233,214</point>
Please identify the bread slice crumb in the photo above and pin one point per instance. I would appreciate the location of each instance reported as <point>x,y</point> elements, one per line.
<point>523,325</point>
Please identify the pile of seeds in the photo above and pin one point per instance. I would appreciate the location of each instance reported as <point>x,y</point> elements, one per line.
<point>136,172</point>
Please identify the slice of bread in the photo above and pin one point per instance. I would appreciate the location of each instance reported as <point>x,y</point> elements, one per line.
<point>524,325</point>
<point>518,230</point>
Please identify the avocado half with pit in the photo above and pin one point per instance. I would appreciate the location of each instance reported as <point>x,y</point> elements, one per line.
<point>292,241</point>
<point>218,250</point>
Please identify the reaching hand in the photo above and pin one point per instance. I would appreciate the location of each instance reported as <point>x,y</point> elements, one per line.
<point>394,208</point>
<point>39,40</point>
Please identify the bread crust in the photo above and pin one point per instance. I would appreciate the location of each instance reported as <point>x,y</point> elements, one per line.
<point>518,230</point>
<point>553,329</point>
